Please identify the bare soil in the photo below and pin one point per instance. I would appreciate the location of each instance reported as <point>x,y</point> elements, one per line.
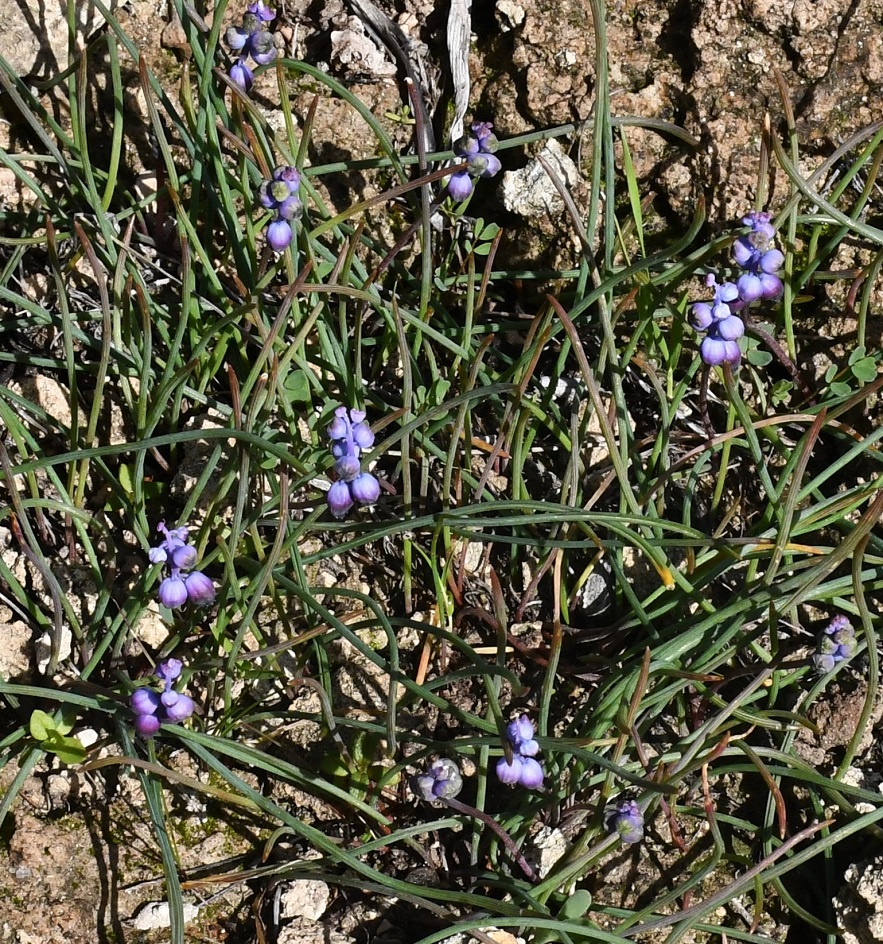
<point>77,860</point>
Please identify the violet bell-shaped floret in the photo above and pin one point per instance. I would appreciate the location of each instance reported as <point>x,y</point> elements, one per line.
<point>279,235</point>
<point>182,583</point>
<point>173,592</point>
<point>200,589</point>
<point>509,771</point>
<point>241,75</point>
<point>755,253</point>
<point>151,709</point>
<point>522,769</point>
<point>723,328</point>
<point>281,194</point>
<point>251,39</point>
<point>340,498</point>
<point>531,774</point>
<point>460,185</point>
<point>365,488</point>
<point>836,643</point>
<point>478,150</point>
<point>260,9</point>
<point>520,733</point>
<point>349,435</point>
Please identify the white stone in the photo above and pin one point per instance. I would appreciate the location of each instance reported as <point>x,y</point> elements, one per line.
<point>43,648</point>
<point>548,846</point>
<point>855,777</point>
<point>157,914</point>
<point>530,192</point>
<point>39,42</point>
<point>859,904</point>
<point>311,932</point>
<point>307,898</point>
<point>356,53</point>
<point>509,15</point>
<point>15,649</point>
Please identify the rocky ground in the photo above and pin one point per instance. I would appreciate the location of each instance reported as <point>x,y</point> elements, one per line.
<point>76,862</point>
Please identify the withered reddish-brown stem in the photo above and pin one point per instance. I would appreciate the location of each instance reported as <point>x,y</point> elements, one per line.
<point>498,830</point>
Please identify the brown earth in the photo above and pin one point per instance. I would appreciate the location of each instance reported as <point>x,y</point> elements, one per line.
<point>77,861</point>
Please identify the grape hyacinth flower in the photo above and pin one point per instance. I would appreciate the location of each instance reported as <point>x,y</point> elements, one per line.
<point>723,328</point>
<point>836,644</point>
<point>627,821</point>
<point>251,39</point>
<point>523,769</point>
<point>151,708</point>
<point>182,583</point>
<point>478,150</point>
<point>349,435</point>
<point>441,782</point>
<point>281,195</point>
<point>760,280</point>
<point>762,262</point>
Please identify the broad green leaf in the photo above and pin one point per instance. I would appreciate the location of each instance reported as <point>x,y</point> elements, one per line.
<point>759,358</point>
<point>577,905</point>
<point>68,749</point>
<point>42,725</point>
<point>297,387</point>
<point>68,719</point>
<point>857,354</point>
<point>126,479</point>
<point>865,369</point>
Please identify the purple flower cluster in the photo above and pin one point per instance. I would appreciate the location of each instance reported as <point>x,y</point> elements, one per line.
<point>183,583</point>
<point>836,644</point>
<point>151,709</point>
<point>523,769</point>
<point>251,39</point>
<point>349,435</point>
<point>281,195</point>
<point>720,344</point>
<point>441,782</point>
<point>761,263</point>
<point>627,821</point>
<point>478,150</point>
<point>755,253</point>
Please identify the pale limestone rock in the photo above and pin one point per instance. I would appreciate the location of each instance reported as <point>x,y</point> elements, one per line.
<point>509,14</point>
<point>43,648</point>
<point>156,914</point>
<point>530,192</point>
<point>15,651</point>
<point>859,906</point>
<point>307,898</point>
<point>311,932</point>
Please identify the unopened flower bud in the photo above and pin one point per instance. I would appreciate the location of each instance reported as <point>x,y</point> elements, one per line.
<point>347,468</point>
<point>365,488</point>
<point>200,589</point>
<point>147,725</point>
<point>180,709</point>
<point>172,592</point>
<point>339,499</point>
<point>184,557</point>
<point>169,669</point>
<point>279,235</point>
<point>144,701</point>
